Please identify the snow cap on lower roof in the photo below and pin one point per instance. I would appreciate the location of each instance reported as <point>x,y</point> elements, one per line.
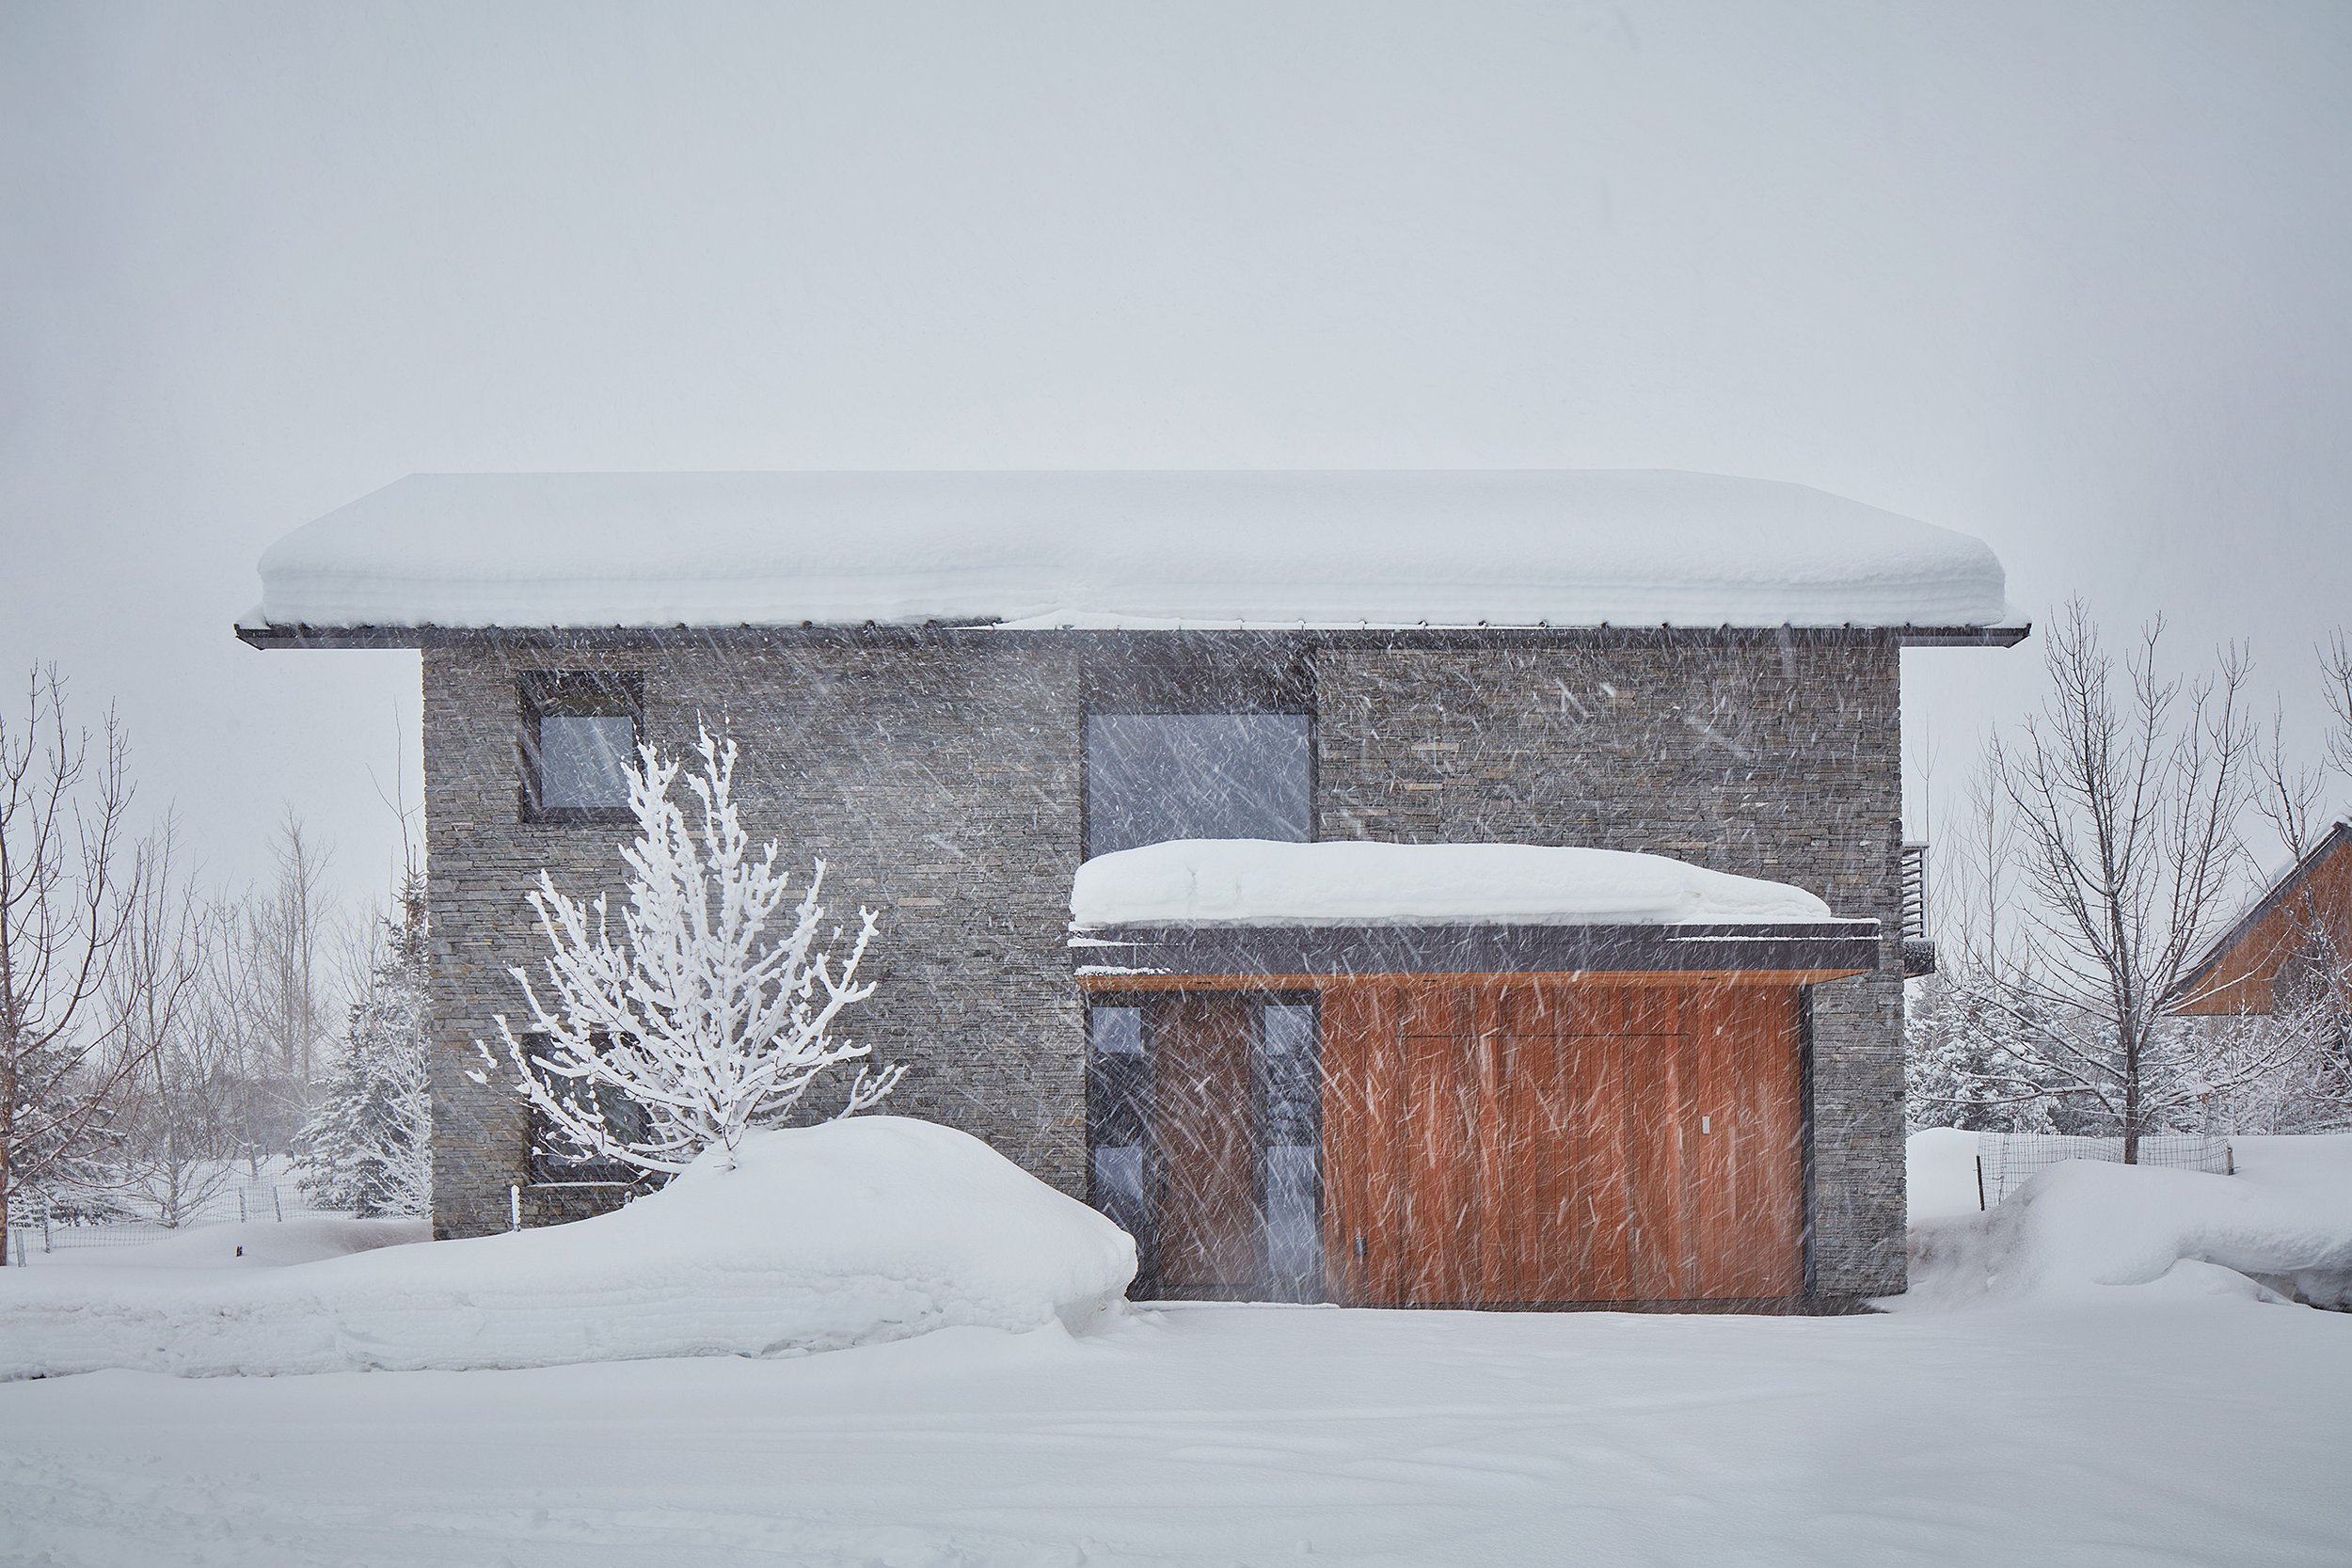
<point>1250,881</point>
<point>1141,550</point>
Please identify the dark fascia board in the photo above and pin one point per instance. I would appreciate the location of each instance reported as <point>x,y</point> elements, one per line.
<point>2198,972</point>
<point>1226,950</point>
<point>593,638</point>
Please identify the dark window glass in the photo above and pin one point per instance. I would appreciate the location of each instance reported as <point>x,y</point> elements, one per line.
<point>552,1157</point>
<point>1118,1089</point>
<point>581,732</point>
<point>1152,777</point>
<point>1290,1093</point>
<point>585,759</point>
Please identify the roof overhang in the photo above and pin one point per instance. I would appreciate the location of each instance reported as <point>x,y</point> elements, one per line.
<point>1215,957</point>
<point>269,635</point>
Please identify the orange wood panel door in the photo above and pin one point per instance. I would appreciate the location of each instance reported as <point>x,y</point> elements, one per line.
<point>1561,1143</point>
<point>1204,1137</point>
<point>1744,1128</point>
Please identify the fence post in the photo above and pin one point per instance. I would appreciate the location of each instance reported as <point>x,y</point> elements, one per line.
<point>48,1244</point>
<point>1979,1183</point>
<point>278,1203</point>
<point>241,1214</point>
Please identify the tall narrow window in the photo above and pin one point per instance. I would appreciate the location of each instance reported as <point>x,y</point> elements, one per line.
<point>579,739</point>
<point>1152,777</point>
<point>1290,1095</point>
<point>1119,1090</point>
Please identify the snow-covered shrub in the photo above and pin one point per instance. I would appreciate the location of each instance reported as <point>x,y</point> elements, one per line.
<point>706,1019</point>
<point>367,1148</point>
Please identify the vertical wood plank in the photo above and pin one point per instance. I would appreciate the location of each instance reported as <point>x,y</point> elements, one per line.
<point>1204,1133</point>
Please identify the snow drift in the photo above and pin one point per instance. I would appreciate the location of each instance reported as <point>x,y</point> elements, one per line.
<point>861,1230</point>
<point>1522,547</point>
<point>2282,1227</point>
<point>244,1244</point>
<point>1247,882</point>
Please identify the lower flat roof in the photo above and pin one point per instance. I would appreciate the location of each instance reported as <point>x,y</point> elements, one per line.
<point>1222,956</point>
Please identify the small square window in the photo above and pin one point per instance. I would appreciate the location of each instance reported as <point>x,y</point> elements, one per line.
<point>580,739</point>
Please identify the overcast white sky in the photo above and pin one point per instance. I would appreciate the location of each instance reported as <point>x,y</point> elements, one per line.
<point>2071,277</point>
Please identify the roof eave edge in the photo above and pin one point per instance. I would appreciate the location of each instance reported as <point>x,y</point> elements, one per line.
<point>258,633</point>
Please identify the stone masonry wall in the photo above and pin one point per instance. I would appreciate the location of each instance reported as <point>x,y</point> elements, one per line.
<point>940,785</point>
<point>1781,762</point>
<point>942,782</point>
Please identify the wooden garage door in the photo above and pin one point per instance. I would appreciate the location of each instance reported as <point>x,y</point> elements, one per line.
<point>1561,1143</point>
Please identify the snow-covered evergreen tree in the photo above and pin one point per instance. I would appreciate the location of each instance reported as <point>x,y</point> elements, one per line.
<point>367,1147</point>
<point>711,1016</point>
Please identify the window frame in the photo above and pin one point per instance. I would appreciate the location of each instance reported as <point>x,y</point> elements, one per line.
<point>540,693</point>
<point>1089,712</point>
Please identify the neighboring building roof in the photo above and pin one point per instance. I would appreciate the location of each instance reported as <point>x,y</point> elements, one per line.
<point>1250,881</point>
<point>2310,899</point>
<point>1339,550</point>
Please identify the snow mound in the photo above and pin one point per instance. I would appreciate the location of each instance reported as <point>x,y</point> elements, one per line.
<point>254,1245</point>
<point>854,1233</point>
<point>1287,549</point>
<point>2281,1228</point>
<point>1249,881</point>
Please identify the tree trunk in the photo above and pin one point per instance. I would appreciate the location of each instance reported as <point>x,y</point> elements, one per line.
<point>2131,1097</point>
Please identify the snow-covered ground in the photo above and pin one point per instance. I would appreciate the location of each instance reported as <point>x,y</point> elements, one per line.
<point>255,1244</point>
<point>2193,1432</point>
<point>2099,1425</point>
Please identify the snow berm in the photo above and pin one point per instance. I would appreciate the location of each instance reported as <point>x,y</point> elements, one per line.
<point>857,1231</point>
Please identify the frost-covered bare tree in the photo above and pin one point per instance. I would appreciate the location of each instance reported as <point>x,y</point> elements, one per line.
<point>1960,1023</point>
<point>178,1130</point>
<point>2309,1021</point>
<point>713,1013</point>
<point>69,879</point>
<point>287,942</point>
<point>2125,792</point>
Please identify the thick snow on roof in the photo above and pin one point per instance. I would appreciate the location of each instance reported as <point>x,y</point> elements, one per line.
<point>1405,548</point>
<point>1250,881</point>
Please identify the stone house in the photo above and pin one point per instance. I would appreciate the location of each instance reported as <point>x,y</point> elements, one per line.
<point>958,689</point>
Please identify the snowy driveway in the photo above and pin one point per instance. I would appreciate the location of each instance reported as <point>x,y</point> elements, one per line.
<point>2187,1431</point>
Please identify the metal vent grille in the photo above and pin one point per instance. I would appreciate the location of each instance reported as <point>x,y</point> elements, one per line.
<point>1914,892</point>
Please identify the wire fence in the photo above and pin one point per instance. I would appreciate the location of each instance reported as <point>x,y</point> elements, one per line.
<point>270,1198</point>
<point>2005,1160</point>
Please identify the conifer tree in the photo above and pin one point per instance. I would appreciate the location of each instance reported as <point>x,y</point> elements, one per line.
<point>367,1148</point>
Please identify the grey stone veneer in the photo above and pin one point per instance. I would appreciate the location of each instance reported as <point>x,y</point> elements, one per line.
<point>939,776</point>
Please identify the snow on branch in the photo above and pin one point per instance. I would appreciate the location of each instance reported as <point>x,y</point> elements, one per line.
<point>699,1024</point>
